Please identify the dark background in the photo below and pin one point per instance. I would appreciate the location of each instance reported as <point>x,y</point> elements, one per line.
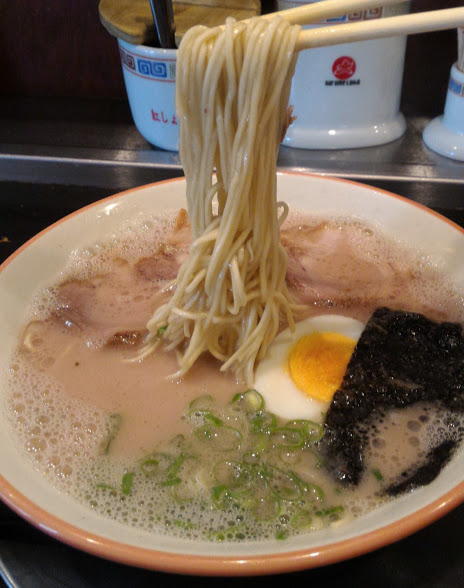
<point>56,48</point>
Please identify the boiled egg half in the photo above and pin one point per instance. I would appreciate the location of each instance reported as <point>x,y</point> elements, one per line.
<point>302,369</point>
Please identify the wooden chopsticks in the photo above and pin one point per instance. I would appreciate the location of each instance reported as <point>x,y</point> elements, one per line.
<point>312,13</point>
<point>406,24</point>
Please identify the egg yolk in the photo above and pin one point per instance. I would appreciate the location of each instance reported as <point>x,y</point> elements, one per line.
<point>317,363</point>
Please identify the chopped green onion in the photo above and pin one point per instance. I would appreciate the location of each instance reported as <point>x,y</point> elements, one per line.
<point>204,402</point>
<point>161,330</point>
<point>233,474</point>
<point>249,401</point>
<point>228,533</point>
<point>302,519</point>
<point>313,431</point>
<point>171,482</point>
<point>262,442</point>
<point>281,534</point>
<point>330,512</point>
<point>315,491</point>
<point>164,467</point>
<point>222,437</point>
<point>221,496</point>
<point>126,483</point>
<point>149,466</point>
<point>176,465</point>
<point>213,419</point>
<point>320,462</point>
<point>246,481</point>
<point>263,421</point>
<point>157,464</point>
<point>285,485</point>
<point>378,474</point>
<point>297,424</point>
<point>184,524</point>
<point>113,426</point>
<point>287,437</point>
<point>104,486</point>
<point>202,415</point>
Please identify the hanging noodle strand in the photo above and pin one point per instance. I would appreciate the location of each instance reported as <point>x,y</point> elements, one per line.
<point>232,89</point>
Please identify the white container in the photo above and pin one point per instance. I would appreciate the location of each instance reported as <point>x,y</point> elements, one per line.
<point>445,134</point>
<point>149,75</point>
<point>348,95</point>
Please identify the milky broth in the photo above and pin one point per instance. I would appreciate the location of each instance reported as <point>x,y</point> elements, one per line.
<point>75,372</point>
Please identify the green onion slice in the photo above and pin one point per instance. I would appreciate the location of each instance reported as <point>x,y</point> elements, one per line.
<point>312,431</point>
<point>104,486</point>
<point>203,402</point>
<point>171,482</point>
<point>263,421</point>
<point>113,426</point>
<point>302,519</point>
<point>156,464</point>
<point>287,437</point>
<point>285,485</point>
<point>126,483</point>
<point>234,474</point>
<point>161,330</point>
<point>249,401</point>
<point>333,513</point>
<point>378,474</point>
<point>201,416</point>
<point>222,438</point>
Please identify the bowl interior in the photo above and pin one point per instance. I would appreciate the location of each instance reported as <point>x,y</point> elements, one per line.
<point>39,263</point>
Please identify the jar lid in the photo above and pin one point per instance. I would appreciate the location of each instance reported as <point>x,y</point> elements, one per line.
<point>132,20</point>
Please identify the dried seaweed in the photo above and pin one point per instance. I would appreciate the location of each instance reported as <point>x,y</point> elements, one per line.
<point>401,358</point>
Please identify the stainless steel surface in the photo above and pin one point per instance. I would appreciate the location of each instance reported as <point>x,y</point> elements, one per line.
<point>406,159</point>
<point>115,155</point>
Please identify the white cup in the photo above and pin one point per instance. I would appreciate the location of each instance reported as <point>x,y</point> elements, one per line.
<point>445,134</point>
<point>348,95</point>
<point>149,75</point>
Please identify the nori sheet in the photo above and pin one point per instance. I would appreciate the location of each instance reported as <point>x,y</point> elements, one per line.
<point>401,358</point>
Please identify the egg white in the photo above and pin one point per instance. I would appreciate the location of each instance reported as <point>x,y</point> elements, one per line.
<point>272,381</point>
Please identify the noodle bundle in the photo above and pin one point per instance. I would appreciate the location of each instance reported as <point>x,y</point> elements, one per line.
<point>232,89</point>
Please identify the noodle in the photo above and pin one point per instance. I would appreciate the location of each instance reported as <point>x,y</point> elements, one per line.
<point>232,89</point>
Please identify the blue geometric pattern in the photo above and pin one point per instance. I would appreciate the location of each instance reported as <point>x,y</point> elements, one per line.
<point>456,87</point>
<point>152,68</point>
<point>149,68</point>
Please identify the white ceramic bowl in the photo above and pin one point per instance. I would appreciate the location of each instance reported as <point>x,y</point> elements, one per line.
<point>149,75</point>
<point>38,263</point>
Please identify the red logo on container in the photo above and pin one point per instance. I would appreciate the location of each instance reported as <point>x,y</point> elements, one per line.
<point>344,67</point>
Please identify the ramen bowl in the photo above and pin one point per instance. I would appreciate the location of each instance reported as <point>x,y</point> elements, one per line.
<point>38,264</point>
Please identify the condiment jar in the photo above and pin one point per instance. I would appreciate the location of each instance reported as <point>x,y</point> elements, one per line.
<point>348,95</point>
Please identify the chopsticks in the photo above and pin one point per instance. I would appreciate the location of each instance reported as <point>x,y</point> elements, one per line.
<point>406,24</point>
<point>311,13</point>
<point>460,61</point>
<point>164,23</point>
